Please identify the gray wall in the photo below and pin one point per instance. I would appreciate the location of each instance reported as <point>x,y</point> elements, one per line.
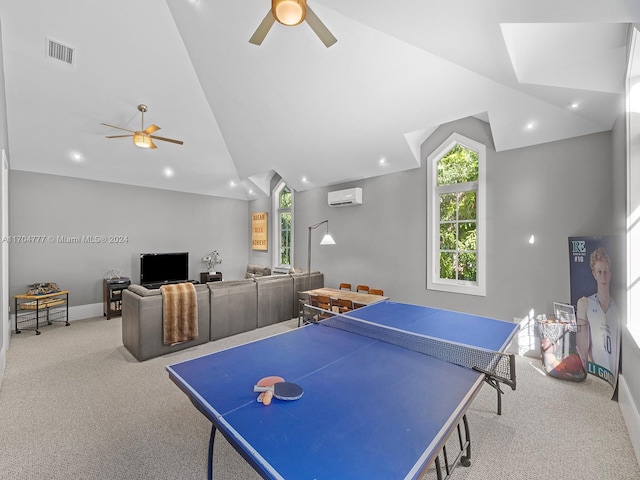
<point>152,221</point>
<point>4,145</point>
<point>552,191</point>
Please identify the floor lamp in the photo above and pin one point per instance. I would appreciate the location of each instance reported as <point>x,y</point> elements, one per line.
<point>326,240</point>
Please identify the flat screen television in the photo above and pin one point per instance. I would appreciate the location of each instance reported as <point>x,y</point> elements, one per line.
<point>164,267</point>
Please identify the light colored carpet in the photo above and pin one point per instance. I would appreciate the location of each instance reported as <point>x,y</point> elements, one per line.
<point>74,404</point>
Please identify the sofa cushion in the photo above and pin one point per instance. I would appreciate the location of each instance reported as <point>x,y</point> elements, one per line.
<point>143,291</point>
<point>234,307</point>
<point>275,299</point>
<point>257,271</point>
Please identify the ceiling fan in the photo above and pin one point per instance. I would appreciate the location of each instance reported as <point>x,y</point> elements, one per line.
<point>143,137</point>
<point>291,13</point>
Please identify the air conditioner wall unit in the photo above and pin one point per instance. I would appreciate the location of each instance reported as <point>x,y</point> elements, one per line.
<point>343,198</point>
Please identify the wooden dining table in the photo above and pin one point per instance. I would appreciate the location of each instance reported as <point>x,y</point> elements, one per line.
<point>356,297</point>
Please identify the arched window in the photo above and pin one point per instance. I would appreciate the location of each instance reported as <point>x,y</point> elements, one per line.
<point>455,215</point>
<point>283,226</point>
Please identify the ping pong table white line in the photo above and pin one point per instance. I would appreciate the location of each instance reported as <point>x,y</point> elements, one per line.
<point>213,413</point>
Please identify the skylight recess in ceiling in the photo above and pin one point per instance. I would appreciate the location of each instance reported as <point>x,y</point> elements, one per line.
<point>61,52</point>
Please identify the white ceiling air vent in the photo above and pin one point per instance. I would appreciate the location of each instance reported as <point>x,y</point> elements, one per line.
<point>58,51</point>
<point>342,198</point>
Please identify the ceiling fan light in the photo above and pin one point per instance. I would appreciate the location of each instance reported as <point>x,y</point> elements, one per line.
<point>289,12</point>
<point>142,140</point>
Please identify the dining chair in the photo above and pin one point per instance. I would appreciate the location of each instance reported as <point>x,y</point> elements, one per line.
<point>376,291</point>
<point>324,302</point>
<point>318,303</point>
<point>345,286</point>
<point>341,305</point>
<point>362,288</point>
<point>303,299</point>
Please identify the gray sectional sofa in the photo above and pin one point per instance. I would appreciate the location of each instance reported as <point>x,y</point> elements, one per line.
<point>224,308</point>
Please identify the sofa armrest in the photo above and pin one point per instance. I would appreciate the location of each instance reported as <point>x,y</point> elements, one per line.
<point>142,324</point>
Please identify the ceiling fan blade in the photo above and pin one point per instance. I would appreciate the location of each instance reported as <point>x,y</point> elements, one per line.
<point>319,28</point>
<point>179,142</point>
<point>119,128</point>
<point>152,145</point>
<point>261,32</point>
<point>150,129</point>
<point>118,136</point>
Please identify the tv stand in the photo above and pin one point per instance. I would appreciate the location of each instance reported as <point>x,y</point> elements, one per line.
<point>156,285</point>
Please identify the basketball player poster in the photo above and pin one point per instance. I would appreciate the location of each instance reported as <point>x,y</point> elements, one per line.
<point>593,264</point>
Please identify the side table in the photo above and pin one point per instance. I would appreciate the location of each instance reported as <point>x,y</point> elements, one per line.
<point>112,296</point>
<point>206,277</point>
<point>28,308</point>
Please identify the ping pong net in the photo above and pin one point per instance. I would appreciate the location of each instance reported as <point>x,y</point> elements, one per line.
<point>497,367</point>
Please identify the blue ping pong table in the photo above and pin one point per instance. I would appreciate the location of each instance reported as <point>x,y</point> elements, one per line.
<point>370,409</point>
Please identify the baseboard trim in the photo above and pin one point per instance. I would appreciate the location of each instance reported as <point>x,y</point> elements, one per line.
<point>630,415</point>
<point>81,312</point>
<point>3,363</point>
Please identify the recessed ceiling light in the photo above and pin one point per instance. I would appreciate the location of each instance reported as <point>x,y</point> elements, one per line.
<point>530,125</point>
<point>168,172</point>
<point>532,239</point>
<point>305,180</point>
<point>382,161</point>
<point>250,192</point>
<point>76,157</point>
<point>574,105</point>
<point>232,183</point>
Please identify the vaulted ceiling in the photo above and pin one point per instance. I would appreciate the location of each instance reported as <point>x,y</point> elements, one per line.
<point>536,71</point>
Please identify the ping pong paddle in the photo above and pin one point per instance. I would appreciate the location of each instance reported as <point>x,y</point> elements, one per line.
<point>282,390</point>
<point>265,397</point>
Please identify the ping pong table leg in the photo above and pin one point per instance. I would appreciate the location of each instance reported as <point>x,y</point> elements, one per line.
<point>464,455</point>
<point>465,460</point>
<point>494,383</point>
<point>438,468</point>
<point>210,460</point>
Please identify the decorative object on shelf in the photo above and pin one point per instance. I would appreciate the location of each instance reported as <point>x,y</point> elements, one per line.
<point>211,260</point>
<point>113,273</point>
<point>43,288</point>
<point>206,277</point>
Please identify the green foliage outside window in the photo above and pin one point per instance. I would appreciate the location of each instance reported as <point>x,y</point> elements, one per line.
<point>458,210</point>
<point>285,238</point>
<point>285,197</point>
<point>285,226</point>
<point>460,165</point>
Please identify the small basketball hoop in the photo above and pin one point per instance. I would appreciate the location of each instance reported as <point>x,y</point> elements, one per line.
<point>552,330</point>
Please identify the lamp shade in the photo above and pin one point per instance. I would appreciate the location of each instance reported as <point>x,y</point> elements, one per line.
<point>289,12</point>
<point>142,140</point>
<point>327,240</point>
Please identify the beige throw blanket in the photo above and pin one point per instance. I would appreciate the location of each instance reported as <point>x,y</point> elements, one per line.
<point>179,313</point>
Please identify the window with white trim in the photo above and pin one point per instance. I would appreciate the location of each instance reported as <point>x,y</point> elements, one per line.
<point>283,226</point>
<point>456,217</point>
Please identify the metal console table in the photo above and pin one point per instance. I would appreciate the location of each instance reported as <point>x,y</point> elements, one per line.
<point>54,307</point>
